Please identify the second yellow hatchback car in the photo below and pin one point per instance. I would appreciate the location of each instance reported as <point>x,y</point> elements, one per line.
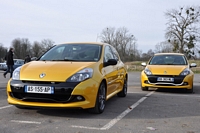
<point>168,70</point>
<point>71,75</point>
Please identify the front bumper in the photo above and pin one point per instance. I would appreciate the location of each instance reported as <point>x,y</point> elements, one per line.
<point>66,95</point>
<point>185,82</point>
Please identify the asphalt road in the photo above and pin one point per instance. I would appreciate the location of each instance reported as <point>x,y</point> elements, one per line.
<point>154,111</point>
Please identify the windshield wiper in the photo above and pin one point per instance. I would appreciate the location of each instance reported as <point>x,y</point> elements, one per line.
<point>65,60</point>
<point>170,64</point>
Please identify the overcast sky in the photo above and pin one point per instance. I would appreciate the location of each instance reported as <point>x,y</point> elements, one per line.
<point>82,20</point>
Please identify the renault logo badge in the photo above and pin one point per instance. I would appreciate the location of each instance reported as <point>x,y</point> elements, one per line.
<point>165,72</point>
<point>42,75</point>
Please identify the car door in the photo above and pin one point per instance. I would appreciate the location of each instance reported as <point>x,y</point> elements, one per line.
<point>110,71</point>
<point>120,70</point>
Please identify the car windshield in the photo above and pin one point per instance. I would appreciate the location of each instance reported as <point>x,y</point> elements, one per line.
<point>73,52</point>
<point>168,60</point>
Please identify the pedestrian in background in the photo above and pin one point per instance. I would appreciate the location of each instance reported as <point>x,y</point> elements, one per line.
<point>9,62</point>
<point>27,59</point>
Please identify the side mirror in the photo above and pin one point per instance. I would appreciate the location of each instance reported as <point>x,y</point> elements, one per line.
<point>110,62</point>
<point>193,65</point>
<point>143,64</point>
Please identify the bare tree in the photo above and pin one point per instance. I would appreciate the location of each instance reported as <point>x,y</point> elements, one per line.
<point>150,53</point>
<point>183,29</point>
<point>122,40</point>
<point>47,44</point>
<point>108,35</point>
<point>16,44</point>
<point>3,52</point>
<point>25,47</point>
<point>163,47</point>
<point>37,49</point>
<point>21,47</point>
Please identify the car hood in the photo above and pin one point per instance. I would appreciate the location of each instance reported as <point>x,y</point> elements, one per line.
<point>166,69</point>
<point>53,70</point>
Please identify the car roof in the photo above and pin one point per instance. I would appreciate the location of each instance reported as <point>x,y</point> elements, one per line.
<point>168,54</point>
<point>96,43</point>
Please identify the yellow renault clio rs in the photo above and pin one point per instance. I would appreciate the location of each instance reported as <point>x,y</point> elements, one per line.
<point>167,70</point>
<point>70,75</point>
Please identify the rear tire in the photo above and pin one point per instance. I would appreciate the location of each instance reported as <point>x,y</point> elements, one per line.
<point>123,93</point>
<point>100,100</point>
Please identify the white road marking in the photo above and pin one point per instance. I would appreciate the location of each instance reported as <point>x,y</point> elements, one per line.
<point>143,92</point>
<point>119,117</point>
<point>83,127</point>
<point>6,107</point>
<point>17,121</point>
<point>180,95</point>
<point>26,122</point>
<point>113,121</point>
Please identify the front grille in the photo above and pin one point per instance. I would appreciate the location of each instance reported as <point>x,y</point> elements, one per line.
<point>165,84</point>
<point>47,98</point>
<point>62,91</point>
<point>177,79</point>
<point>39,82</point>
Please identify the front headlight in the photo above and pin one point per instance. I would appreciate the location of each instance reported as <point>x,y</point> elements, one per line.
<point>16,74</point>
<point>81,75</point>
<point>147,71</point>
<point>185,72</point>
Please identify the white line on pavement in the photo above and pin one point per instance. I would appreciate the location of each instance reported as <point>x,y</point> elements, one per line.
<point>179,95</point>
<point>119,117</point>
<point>26,122</point>
<point>6,107</point>
<point>83,127</point>
<point>173,94</point>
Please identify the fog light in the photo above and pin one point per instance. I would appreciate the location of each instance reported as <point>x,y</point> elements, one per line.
<point>185,83</point>
<point>17,88</point>
<point>79,98</point>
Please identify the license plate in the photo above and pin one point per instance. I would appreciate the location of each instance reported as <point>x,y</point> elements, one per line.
<point>39,89</point>
<point>165,79</point>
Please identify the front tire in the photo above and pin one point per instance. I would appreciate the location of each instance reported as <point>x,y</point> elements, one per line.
<point>22,107</point>
<point>100,100</point>
<point>190,90</point>
<point>144,88</point>
<point>123,93</point>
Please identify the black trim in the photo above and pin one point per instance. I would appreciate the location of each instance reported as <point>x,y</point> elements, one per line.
<point>62,91</point>
<point>177,79</point>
